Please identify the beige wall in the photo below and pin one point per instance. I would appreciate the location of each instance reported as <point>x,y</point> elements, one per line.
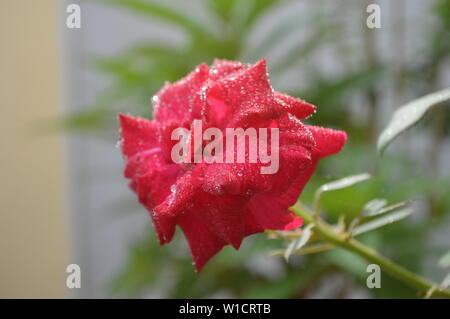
<point>33,241</point>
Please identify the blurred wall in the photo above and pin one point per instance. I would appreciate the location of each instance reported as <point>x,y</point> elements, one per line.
<point>32,235</point>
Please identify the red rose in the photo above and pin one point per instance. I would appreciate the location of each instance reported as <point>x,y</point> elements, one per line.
<point>220,203</point>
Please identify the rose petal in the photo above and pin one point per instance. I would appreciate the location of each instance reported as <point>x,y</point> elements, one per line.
<point>328,141</point>
<point>239,95</point>
<point>137,135</point>
<point>299,108</point>
<point>178,101</point>
<point>271,214</point>
<point>203,243</point>
<point>221,68</point>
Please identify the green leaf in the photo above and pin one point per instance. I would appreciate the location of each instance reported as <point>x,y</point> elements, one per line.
<point>343,182</point>
<point>372,207</point>
<point>382,221</point>
<point>444,262</point>
<point>338,184</point>
<point>408,115</point>
<point>308,249</point>
<point>314,248</point>
<point>383,210</point>
<point>299,242</point>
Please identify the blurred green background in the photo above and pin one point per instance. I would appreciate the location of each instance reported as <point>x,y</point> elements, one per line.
<point>356,78</point>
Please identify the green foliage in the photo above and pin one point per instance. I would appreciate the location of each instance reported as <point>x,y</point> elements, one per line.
<point>374,213</point>
<point>299,242</point>
<point>337,185</point>
<point>382,221</point>
<point>408,115</point>
<point>373,207</point>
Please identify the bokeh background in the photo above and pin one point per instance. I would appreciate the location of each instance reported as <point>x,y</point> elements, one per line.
<point>63,197</point>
